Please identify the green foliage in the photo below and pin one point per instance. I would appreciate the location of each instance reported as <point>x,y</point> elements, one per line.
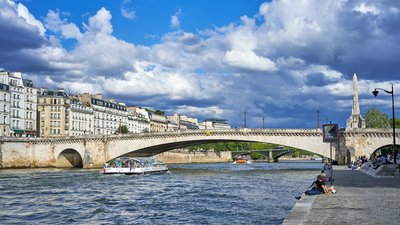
<point>240,147</point>
<point>396,122</point>
<point>374,118</point>
<point>257,156</point>
<point>122,130</point>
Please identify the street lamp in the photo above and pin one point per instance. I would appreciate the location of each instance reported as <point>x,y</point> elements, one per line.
<point>375,93</point>
<point>263,122</point>
<point>244,120</point>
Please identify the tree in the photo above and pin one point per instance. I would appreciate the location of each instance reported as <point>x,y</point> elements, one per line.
<point>374,118</point>
<point>122,130</point>
<point>396,122</point>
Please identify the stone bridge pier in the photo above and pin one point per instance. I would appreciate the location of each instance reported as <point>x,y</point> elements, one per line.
<point>363,141</point>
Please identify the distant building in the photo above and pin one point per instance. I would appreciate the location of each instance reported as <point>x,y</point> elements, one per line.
<point>138,120</point>
<point>216,124</point>
<point>158,121</point>
<point>184,122</point>
<point>172,125</point>
<point>108,115</point>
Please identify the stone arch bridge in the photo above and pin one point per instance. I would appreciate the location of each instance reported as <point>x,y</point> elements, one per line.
<point>94,151</point>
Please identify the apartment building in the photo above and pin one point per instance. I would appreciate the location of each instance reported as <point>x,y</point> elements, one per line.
<point>108,114</point>
<point>30,107</point>
<point>53,113</point>
<point>158,121</point>
<point>138,120</point>
<point>5,109</point>
<point>81,119</point>
<point>17,100</point>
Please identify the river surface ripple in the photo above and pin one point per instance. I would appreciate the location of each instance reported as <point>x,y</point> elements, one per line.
<point>261,193</point>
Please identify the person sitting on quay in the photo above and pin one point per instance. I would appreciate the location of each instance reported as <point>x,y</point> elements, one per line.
<point>319,187</point>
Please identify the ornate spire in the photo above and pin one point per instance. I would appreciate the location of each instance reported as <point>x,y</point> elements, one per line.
<point>355,120</point>
<point>356,107</point>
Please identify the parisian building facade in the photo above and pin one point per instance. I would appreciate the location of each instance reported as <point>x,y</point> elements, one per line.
<point>5,108</point>
<point>29,111</point>
<point>53,113</point>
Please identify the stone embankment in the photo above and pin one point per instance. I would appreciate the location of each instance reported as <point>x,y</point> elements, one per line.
<point>194,157</point>
<point>360,199</point>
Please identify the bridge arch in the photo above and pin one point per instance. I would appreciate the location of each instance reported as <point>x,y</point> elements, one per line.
<point>152,144</point>
<point>383,150</point>
<point>69,158</point>
<point>160,148</point>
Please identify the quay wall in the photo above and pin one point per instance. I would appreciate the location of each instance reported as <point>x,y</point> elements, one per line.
<point>194,157</point>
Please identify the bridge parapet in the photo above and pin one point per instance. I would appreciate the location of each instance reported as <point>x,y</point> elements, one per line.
<point>372,132</point>
<point>151,135</point>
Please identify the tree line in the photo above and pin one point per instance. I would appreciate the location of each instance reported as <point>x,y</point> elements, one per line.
<point>374,118</point>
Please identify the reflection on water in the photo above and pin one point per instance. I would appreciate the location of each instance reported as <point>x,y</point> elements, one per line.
<point>260,193</point>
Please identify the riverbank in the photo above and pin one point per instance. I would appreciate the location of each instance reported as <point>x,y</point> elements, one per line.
<point>360,199</point>
<point>194,157</point>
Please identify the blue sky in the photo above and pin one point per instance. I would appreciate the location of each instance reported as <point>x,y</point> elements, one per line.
<point>281,60</point>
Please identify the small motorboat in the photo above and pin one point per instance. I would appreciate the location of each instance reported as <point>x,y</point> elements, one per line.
<point>134,165</point>
<point>242,159</point>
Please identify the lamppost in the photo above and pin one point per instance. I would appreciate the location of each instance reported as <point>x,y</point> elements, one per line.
<point>263,122</point>
<point>244,120</point>
<point>375,93</point>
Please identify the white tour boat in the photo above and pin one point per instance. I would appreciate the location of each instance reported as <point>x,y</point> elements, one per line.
<point>134,165</point>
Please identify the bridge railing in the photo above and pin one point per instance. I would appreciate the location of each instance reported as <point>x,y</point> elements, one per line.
<point>206,132</point>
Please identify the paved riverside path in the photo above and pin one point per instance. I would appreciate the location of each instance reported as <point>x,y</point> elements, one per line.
<point>360,199</point>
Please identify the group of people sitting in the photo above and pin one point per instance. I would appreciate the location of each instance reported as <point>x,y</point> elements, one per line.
<point>358,162</point>
<point>376,161</point>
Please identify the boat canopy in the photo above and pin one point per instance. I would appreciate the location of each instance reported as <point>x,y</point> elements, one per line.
<point>140,160</point>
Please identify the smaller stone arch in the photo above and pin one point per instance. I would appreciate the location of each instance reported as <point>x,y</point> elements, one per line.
<point>383,150</point>
<point>69,158</point>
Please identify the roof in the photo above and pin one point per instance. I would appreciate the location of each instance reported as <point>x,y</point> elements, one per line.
<point>55,94</point>
<point>216,120</point>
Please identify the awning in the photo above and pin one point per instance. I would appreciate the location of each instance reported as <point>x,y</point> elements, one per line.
<point>19,131</point>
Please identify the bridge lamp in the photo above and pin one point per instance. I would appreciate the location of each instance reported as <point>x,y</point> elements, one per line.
<point>394,150</point>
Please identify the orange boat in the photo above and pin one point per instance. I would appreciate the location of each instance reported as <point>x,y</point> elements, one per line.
<point>242,159</point>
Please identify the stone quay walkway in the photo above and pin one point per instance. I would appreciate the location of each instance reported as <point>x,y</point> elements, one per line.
<point>360,199</point>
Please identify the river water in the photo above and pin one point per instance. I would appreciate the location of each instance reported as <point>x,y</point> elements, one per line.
<point>260,193</point>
